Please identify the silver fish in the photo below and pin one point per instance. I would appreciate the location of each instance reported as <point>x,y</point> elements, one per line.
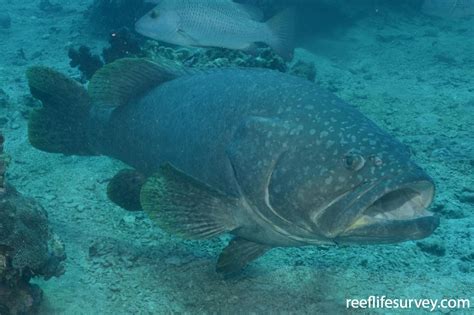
<point>216,23</point>
<point>276,162</point>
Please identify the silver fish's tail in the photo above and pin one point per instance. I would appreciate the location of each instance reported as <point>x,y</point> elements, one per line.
<point>60,125</point>
<point>282,27</point>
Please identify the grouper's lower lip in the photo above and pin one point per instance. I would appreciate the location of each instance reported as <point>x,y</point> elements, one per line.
<point>385,232</point>
<point>398,215</point>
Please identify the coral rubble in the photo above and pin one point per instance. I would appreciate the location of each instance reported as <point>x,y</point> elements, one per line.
<point>204,58</point>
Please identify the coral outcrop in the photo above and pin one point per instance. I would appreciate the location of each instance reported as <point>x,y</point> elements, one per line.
<point>28,248</point>
<point>122,44</point>
<point>85,61</point>
<point>204,58</point>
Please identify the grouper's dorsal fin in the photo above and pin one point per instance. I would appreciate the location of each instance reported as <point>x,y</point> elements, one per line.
<point>118,82</point>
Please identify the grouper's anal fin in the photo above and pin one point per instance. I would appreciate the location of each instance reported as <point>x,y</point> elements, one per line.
<point>184,206</point>
<point>116,83</point>
<point>238,254</point>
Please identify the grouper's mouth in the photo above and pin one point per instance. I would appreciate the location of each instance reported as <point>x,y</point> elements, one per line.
<point>386,211</point>
<point>398,214</point>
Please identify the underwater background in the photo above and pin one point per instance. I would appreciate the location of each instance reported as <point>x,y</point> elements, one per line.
<point>407,67</point>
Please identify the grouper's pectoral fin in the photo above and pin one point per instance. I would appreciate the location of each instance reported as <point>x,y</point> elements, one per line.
<point>238,254</point>
<point>185,206</point>
<point>124,189</point>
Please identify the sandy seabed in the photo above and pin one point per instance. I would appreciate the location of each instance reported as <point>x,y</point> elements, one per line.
<point>412,75</point>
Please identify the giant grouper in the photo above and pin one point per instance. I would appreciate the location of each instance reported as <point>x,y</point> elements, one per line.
<point>271,158</point>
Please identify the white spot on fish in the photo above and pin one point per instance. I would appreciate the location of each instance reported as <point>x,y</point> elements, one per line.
<point>323,134</point>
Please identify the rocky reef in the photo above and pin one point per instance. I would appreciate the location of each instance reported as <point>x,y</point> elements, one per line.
<point>205,58</point>
<point>123,44</point>
<point>28,248</point>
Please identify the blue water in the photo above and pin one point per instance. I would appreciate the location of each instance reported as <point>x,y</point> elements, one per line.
<point>406,65</point>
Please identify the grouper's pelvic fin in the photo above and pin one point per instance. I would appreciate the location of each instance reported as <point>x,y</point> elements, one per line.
<point>116,83</point>
<point>124,189</point>
<point>60,125</point>
<point>185,206</point>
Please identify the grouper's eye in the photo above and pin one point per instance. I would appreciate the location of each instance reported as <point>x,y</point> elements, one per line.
<point>353,161</point>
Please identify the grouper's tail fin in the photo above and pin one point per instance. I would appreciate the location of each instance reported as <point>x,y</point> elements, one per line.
<point>60,125</point>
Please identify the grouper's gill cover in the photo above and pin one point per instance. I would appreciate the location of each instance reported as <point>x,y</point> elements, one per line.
<point>276,162</point>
